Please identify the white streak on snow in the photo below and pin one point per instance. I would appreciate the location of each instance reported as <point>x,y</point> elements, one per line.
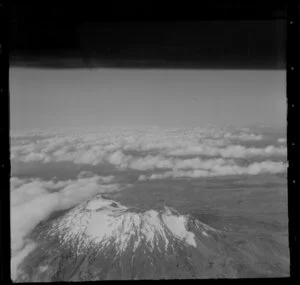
<point>177,225</point>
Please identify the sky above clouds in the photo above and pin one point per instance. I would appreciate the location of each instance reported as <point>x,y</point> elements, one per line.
<point>41,98</point>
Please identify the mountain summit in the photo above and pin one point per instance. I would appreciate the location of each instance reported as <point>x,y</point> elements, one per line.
<point>102,239</point>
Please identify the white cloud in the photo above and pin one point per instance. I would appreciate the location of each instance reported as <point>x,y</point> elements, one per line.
<point>17,259</point>
<point>243,136</point>
<point>91,156</point>
<point>281,140</point>
<point>238,151</point>
<point>231,151</point>
<point>266,166</point>
<point>35,156</point>
<point>110,145</point>
<point>16,182</point>
<point>175,174</point>
<point>119,159</point>
<point>196,163</point>
<point>103,179</point>
<point>151,162</point>
<point>221,170</point>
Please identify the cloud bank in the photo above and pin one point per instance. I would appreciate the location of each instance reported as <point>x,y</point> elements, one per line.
<point>221,170</point>
<point>115,147</point>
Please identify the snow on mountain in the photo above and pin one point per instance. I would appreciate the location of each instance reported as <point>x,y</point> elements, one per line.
<point>100,223</point>
<point>102,239</point>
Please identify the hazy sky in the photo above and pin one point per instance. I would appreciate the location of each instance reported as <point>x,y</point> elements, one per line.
<point>41,98</point>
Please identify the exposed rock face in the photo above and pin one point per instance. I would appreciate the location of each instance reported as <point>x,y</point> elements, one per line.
<point>102,239</point>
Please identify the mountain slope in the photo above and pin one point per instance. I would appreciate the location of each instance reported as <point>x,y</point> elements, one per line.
<point>102,239</point>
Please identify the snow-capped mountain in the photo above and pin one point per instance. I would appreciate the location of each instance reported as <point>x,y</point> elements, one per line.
<point>102,239</point>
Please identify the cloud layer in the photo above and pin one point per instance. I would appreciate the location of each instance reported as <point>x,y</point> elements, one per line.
<point>153,148</point>
<point>221,170</point>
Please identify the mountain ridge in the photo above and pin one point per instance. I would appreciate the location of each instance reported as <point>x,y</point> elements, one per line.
<point>102,239</point>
